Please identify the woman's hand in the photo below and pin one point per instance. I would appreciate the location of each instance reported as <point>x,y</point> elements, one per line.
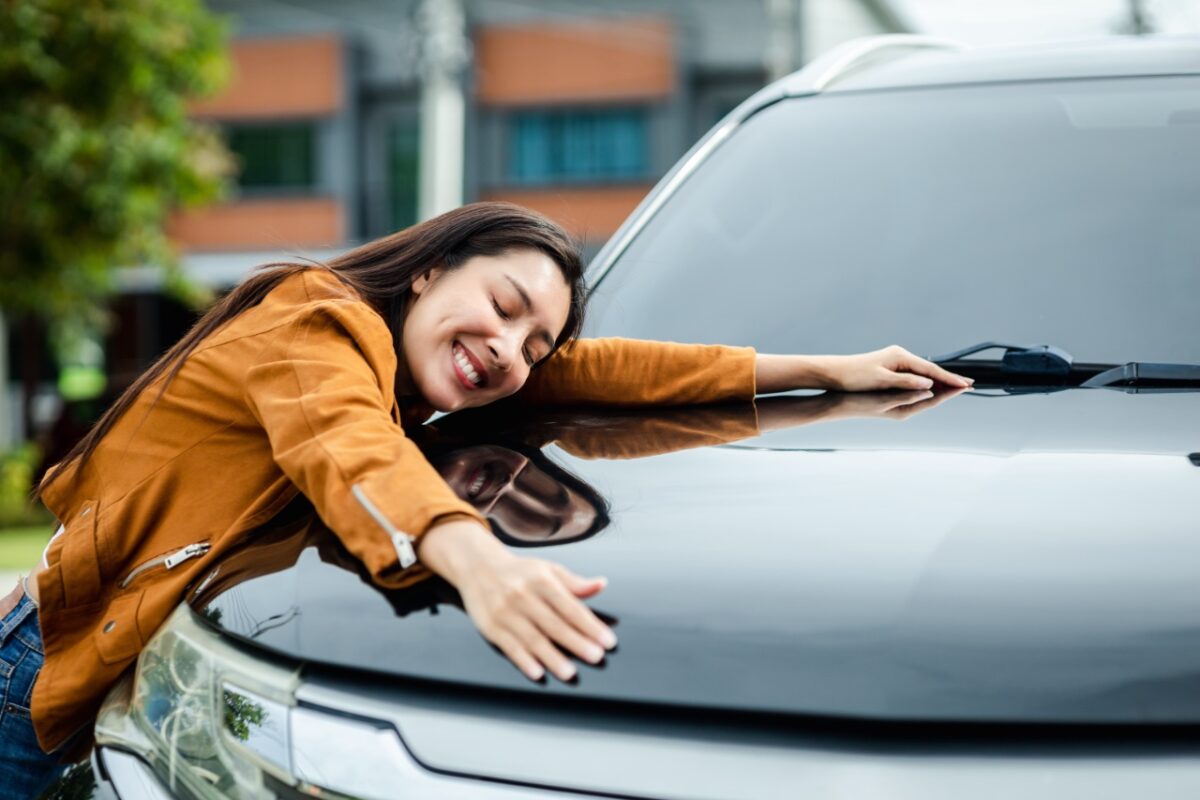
<point>890,368</point>
<point>527,607</point>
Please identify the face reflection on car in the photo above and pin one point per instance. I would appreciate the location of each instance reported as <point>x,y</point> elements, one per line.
<point>516,494</point>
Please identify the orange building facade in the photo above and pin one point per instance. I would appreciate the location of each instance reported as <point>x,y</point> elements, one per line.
<point>587,92</point>
<point>575,110</point>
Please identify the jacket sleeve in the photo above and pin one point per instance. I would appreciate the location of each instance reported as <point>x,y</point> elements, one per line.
<point>633,372</point>
<point>322,391</point>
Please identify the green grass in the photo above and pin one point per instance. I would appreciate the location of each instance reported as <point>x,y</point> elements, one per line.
<point>20,548</point>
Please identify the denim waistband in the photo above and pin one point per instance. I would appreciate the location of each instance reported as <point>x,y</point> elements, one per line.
<point>14,618</point>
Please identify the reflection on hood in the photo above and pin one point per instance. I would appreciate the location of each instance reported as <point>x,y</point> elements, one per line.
<point>493,459</point>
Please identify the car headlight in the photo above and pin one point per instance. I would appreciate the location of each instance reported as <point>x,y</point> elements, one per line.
<point>212,722</point>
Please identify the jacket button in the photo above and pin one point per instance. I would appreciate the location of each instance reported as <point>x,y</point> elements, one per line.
<point>108,626</point>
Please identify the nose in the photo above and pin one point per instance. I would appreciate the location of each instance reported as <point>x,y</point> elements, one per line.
<point>504,350</point>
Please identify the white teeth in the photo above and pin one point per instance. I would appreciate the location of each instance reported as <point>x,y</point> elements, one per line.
<point>464,364</point>
<point>475,486</point>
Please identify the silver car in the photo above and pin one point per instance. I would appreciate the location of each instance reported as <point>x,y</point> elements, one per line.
<point>817,596</point>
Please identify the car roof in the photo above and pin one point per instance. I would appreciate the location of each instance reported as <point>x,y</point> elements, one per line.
<point>907,61</point>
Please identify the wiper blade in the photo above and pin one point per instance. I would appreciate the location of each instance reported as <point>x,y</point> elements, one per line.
<point>1141,373</point>
<point>1038,359</point>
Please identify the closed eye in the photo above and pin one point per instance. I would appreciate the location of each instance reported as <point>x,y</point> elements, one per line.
<point>499,310</point>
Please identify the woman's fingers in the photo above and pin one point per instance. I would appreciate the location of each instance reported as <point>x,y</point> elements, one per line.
<point>516,652</point>
<point>563,634</point>
<point>579,616</point>
<point>541,648</point>
<point>920,366</point>
<point>908,380</point>
<point>579,586</point>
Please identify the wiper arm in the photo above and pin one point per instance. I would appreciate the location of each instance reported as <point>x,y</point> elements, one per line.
<point>1038,359</point>
<point>1140,373</point>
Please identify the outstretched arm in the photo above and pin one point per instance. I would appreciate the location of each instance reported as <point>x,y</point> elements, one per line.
<point>890,368</point>
<point>635,372</point>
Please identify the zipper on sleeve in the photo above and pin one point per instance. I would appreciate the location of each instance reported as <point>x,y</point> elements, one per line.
<point>400,540</point>
<point>168,561</point>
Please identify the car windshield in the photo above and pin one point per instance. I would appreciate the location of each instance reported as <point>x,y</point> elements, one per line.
<point>1058,212</point>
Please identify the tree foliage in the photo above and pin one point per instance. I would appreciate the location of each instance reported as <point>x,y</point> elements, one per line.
<point>95,143</point>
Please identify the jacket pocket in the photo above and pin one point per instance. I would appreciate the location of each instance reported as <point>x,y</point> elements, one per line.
<point>79,559</point>
<point>117,639</point>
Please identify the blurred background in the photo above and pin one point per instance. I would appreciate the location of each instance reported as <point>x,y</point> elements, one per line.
<point>154,152</point>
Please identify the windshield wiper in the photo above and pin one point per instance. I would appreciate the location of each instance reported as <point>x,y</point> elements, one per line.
<point>1043,368</point>
<point>1142,373</point>
<point>1038,359</point>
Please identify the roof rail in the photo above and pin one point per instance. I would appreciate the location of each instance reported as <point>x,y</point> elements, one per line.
<point>824,70</point>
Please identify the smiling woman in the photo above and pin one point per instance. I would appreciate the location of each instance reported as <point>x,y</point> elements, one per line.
<point>478,330</point>
<point>304,380</point>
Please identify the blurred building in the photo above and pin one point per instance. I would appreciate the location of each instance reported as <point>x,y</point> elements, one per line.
<point>571,107</point>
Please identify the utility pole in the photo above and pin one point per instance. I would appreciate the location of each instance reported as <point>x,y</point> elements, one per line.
<point>445,53</point>
<point>782,54</point>
<point>1137,23</point>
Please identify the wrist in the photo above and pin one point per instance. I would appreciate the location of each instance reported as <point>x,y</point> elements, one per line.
<point>783,373</point>
<point>826,371</point>
<point>457,547</point>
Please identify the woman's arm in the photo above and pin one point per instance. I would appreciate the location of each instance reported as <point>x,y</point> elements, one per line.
<point>637,372</point>
<point>890,368</point>
<point>318,391</point>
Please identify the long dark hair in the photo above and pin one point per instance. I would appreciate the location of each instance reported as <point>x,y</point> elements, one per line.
<point>382,273</point>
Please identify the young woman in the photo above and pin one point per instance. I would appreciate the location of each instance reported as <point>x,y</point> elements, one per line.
<point>303,379</point>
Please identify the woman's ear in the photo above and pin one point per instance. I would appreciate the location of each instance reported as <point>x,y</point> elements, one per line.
<point>422,281</point>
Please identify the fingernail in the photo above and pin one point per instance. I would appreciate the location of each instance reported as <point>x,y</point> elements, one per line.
<point>608,639</point>
<point>594,654</point>
<point>537,674</point>
<point>925,384</point>
<point>568,673</point>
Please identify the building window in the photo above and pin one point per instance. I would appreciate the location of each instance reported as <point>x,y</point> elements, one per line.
<point>577,146</point>
<point>276,157</point>
<point>403,156</point>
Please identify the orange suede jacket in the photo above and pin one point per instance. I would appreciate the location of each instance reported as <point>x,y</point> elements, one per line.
<point>294,395</point>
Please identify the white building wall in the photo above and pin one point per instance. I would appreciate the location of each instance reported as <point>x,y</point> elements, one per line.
<point>828,23</point>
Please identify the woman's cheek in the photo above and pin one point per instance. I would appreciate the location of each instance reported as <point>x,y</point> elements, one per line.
<point>513,383</point>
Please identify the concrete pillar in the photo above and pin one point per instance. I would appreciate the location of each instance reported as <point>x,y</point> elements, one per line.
<point>446,53</point>
<point>782,54</point>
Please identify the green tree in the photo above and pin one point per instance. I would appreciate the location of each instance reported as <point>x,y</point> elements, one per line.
<point>96,147</point>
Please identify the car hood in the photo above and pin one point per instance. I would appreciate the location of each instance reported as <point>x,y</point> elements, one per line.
<point>1023,558</point>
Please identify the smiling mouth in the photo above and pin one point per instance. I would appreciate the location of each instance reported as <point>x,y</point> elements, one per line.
<point>468,374</point>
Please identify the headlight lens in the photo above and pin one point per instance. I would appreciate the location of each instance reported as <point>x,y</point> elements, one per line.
<point>209,720</point>
<point>214,723</point>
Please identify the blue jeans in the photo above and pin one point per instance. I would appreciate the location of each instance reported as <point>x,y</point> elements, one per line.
<point>24,769</point>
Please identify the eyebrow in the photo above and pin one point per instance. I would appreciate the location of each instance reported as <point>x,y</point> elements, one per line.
<point>525,298</point>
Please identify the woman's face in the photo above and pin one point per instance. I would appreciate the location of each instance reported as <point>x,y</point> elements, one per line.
<point>473,333</point>
<point>507,487</point>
